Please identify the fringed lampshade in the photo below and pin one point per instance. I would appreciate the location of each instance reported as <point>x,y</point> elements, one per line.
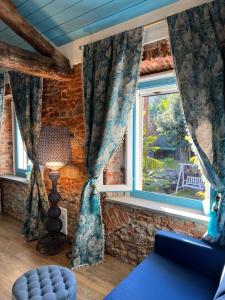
<point>54,147</point>
<point>54,153</point>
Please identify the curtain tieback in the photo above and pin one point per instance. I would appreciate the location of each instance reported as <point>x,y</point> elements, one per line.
<point>216,203</point>
<point>93,182</point>
<point>94,196</point>
<point>35,164</point>
<point>213,229</point>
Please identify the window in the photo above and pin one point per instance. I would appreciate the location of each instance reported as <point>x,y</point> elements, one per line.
<point>165,167</point>
<point>21,162</point>
<point>156,160</point>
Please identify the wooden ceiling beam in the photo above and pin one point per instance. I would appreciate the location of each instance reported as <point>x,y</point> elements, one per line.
<point>10,16</point>
<point>31,63</point>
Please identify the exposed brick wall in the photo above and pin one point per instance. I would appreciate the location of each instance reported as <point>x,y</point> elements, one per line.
<point>156,58</point>
<point>6,149</point>
<point>114,172</point>
<point>130,232</point>
<point>63,105</point>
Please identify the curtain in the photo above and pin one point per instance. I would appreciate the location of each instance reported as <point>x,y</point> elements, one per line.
<point>2,93</point>
<point>110,70</point>
<point>27,98</point>
<point>197,39</point>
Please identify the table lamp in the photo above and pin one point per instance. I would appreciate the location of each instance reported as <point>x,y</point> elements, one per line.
<point>54,153</point>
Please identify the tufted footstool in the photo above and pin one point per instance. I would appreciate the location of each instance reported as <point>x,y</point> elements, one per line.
<point>45,283</point>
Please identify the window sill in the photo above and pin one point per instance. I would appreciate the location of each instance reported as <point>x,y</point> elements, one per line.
<point>168,209</point>
<point>15,178</point>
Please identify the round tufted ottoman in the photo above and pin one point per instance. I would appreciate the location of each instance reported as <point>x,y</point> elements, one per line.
<point>45,283</point>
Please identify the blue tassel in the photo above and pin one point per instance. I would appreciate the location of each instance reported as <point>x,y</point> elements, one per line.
<point>212,227</point>
<point>94,200</point>
<point>213,223</point>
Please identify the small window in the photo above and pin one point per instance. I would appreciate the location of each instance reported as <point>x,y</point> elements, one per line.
<point>21,161</point>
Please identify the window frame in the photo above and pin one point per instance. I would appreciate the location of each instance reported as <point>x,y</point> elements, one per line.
<point>152,85</point>
<point>15,130</point>
<point>156,83</point>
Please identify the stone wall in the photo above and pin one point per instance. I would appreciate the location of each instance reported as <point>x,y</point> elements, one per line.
<point>129,232</point>
<point>14,195</point>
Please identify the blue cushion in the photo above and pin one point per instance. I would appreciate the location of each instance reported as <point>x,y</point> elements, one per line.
<point>159,278</point>
<point>190,252</point>
<point>45,283</point>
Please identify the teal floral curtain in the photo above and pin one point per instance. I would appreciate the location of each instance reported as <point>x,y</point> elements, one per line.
<point>197,39</point>
<point>110,70</point>
<point>27,98</point>
<point>2,92</point>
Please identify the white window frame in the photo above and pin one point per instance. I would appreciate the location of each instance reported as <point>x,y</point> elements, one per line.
<point>139,126</point>
<point>128,164</point>
<point>138,143</point>
<point>129,147</point>
<point>14,139</point>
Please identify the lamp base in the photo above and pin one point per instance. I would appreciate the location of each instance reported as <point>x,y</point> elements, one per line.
<point>52,244</point>
<point>54,241</point>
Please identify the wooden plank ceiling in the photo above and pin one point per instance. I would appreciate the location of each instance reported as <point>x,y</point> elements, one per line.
<point>62,21</point>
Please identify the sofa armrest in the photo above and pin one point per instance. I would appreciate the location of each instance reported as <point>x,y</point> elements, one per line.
<point>190,252</point>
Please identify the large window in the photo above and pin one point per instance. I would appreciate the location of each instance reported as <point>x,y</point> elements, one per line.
<point>21,161</point>
<point>156,160</point>
<point>165,165</point>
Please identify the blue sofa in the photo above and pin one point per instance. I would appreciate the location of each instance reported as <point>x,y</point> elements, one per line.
<point>180,268</point>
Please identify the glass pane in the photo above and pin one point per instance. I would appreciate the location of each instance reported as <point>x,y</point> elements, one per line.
<point>114,172</point>
<point>169,165</point>
<point>21,152</point>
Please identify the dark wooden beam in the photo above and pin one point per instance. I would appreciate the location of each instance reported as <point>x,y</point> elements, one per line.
<point>17,23</point>
<point>31,63</point>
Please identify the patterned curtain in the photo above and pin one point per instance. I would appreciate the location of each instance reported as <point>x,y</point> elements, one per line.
<point>197,39</point>
<point>27,98</point>
<point>110,69</point>
<point>2,92</point>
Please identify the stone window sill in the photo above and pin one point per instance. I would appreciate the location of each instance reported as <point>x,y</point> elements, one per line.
<point>15,178</point>
<point>168,209</point>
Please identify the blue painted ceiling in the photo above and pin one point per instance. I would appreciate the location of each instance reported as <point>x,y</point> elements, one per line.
<point>62,21</point>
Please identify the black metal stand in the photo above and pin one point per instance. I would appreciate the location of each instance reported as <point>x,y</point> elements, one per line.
<point>53,242</point>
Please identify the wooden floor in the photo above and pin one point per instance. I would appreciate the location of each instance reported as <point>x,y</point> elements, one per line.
<point>17,256</point>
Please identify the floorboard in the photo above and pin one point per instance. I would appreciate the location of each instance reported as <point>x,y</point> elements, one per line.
<point>17,256</point>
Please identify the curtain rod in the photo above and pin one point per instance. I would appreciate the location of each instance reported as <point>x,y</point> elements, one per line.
<point>201,2</point>
<point>145,26</point>
<point>155,22</point>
